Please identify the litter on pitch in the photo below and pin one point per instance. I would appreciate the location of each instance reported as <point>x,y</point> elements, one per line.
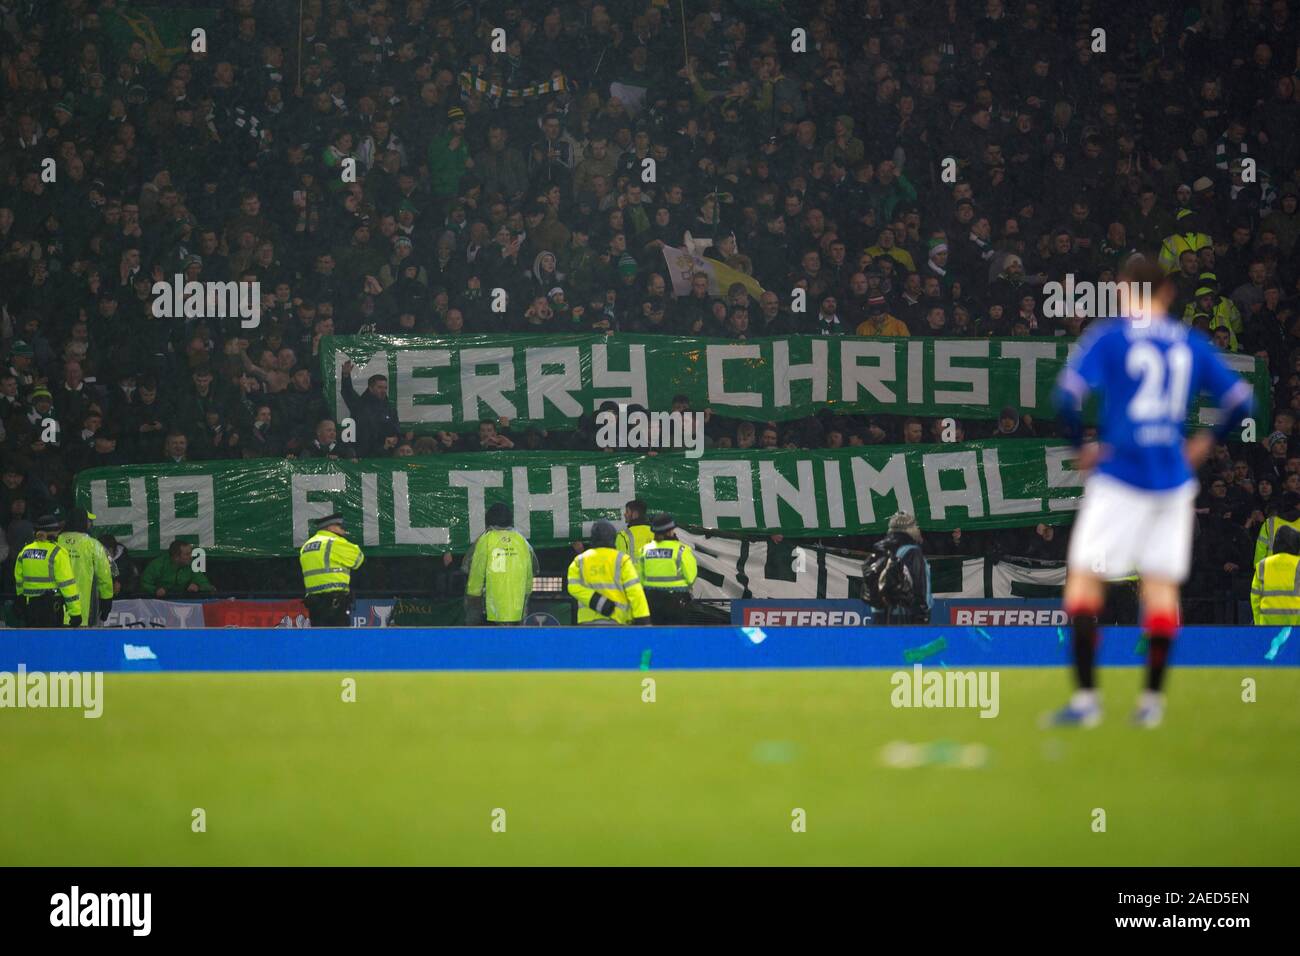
<point>901,755</point>
<point>914,654</point>
<point>611,648</point>
<point>1278,643</point>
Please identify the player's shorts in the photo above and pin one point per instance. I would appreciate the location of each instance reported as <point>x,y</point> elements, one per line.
<point>1122,529</point>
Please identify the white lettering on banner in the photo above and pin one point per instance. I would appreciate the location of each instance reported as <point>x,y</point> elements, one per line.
<point>476,484</point>
<point>776,488</point>
<point>1060,478</point>
<point>890,480</point>
<point>408,363</point>
<point>403,531</point>
<point>593,499</point>
<point>305,511</point>
<point>1028,354</point>
<point>458,383</point>
<point>799,494</point>
<point>915,373</point>
<point>556,501</point>
<point>716,357</point>
<point>554,387</point>
<point>872,378</point>
<point>170,524</point>
<point>134,514</point>
<point>977,377</point>
<point>783,373</point>
<point>370,509</point>
<point>491,388</point>
<point>969,496</point>
<point>361,371</point>
<point>633,380</point>
<point>999,505</point>
<point>834,494</point>
<point>741,507</point>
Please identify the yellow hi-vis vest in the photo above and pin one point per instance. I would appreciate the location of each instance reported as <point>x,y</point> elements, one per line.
<point>632,541</point>
<point>43,567</point>
<point>328,560</point>
<point>91,568</point>
<point>1175,245</point>
<point>610,573</point>
<point>1268,531</point>
<point>501,572</point>
<point>668,566</point>
<point>1275,592</point>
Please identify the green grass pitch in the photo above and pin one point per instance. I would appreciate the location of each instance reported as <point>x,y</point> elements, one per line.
<point>588,773</point>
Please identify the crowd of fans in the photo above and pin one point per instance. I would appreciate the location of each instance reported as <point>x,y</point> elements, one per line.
<point>919,168</point>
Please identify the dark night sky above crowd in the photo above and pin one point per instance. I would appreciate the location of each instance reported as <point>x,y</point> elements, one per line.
<point>819,169</point>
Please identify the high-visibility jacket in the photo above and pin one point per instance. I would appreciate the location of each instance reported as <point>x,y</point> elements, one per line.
<point>901,256</point>
<point>42,567</point>
<point>327,561</point>
<point>668,566</point>
<point>1267,531</point>
<point>1223,315</point>
<point>1180,242</point>
<point>1275,592</point>
<point>633,540</point>
<point>93,571</point>
<point>501,571</point>
<point>610,573</point>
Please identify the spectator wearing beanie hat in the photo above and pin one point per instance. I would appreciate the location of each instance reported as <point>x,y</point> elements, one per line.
<point>449,157</point>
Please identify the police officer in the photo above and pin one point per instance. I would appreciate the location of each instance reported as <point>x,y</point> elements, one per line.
<point>90,566</point>
<point>603,580</point>
<point>328,560</point>
<point>1287,517</point>
<point>45,584</point>
<point>638,534</point>
<point>501,569</point>
<point>668,570</point>
<point>1275,592</point>
<point>1188,238</point>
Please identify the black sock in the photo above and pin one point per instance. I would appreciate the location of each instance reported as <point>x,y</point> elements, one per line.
<point>1085,649</point>
<point>1157,661</point>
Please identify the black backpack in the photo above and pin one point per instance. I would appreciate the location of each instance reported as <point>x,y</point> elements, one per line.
<point>886,578</point>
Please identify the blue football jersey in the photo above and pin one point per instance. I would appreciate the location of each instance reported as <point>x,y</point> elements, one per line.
<point>1148,377</point>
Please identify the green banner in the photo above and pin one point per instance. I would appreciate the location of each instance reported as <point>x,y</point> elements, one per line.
<point>432,504</point>
<point>451,383</point>
<point>166,32</point>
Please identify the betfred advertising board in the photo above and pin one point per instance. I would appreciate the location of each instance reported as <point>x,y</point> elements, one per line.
<point>1010,612</point>
<point>800,613</point>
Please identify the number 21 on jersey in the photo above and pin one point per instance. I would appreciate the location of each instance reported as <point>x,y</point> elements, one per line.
<point>1163,380</point>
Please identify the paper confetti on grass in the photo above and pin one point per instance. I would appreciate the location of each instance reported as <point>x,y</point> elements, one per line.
<point>914,654</point>
<point>1279,640</point>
